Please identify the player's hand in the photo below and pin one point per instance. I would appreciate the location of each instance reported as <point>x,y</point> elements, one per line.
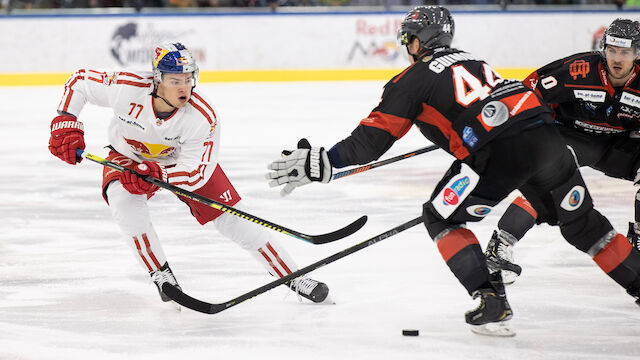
<point>300,167</point>
<point>134,183</point>
<point>67,135</point>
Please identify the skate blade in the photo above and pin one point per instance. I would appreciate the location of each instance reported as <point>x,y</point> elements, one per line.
<point>497,329</point>
<point>327,301</point>
<point>508,277</point>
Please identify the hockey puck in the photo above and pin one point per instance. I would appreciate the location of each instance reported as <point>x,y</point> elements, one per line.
<point>408,332</point>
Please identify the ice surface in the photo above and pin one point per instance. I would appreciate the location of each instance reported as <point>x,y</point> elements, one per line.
<point>70,288</point>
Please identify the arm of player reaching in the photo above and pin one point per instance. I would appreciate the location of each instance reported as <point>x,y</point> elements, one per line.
<point>372,138</point>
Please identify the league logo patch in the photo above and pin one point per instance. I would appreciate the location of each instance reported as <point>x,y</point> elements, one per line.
<point>469,136</point>
<point>452,194</point>
<point>573,199</point>
<point>479,210</point>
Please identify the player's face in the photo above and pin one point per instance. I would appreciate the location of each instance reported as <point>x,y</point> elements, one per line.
<point>176,88</point>
<point>619,63</point>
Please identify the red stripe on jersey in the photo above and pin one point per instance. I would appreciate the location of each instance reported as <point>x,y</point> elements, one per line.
<point>273,251</point>
<point>526,206</point>
<point>199,108</point>
<point>133,75</point>
<point>531,81</point>
<point>433,117</point>
<point>455,241</point>
<point>205,103</point>
<point>520,102</point>
<point>613,254</point>
<point>132,83</point>
<point>150,251</point>
<point>270,262</point>
<point>586,86</point>
<point>402,73</point>
<point>394,125</point>
<point>135,239</point>
<point>79,76</point>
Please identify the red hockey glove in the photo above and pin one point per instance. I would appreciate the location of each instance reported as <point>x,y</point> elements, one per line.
<point>136,185</point>
<point>67,135</point>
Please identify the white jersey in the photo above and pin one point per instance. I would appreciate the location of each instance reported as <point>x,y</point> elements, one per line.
<point>186,142</point>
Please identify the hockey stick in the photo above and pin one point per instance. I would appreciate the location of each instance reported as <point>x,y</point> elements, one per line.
<point>313,239</point>
<point>208,308</point>
<point>383,162</point>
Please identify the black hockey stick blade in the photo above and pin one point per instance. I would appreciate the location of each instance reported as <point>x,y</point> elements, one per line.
<point>313,239</point>
<point>338,234</point>
<point>209,308</point>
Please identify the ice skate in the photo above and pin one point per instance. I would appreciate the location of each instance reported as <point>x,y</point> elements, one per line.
<point>499,256</point>
<point>310,289</point>
<point>492,314</point>
<point>161,276</point>
<point>633,235</point>
<point>634,291</point>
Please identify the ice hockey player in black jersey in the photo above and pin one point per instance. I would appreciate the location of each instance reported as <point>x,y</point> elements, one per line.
<point>503,139</point>
<point>596,101</point>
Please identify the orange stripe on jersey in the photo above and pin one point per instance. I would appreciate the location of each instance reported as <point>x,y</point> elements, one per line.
<point>132,83</point>
<point>394,125</point>
<point>433,117</point>
<point>199,108</point>
<point>455,241</point>
<point>613,254</point>
<point>526,206</point>
<point>205,103</point>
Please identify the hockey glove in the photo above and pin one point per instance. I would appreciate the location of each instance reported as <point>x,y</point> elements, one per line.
<point>134,183</point>
<point>300,167</point>
<point>67,135</point>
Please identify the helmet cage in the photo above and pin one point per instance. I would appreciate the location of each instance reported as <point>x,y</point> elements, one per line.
<point>174,58</point>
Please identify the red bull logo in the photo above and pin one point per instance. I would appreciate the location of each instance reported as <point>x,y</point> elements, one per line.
<point>149,151</point>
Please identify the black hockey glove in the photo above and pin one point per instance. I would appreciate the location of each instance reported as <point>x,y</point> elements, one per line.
<point>300,167</point>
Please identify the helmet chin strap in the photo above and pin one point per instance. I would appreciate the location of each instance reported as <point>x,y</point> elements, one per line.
<point>154,94</point>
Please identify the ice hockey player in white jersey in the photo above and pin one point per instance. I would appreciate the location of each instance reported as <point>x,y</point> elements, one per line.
<point>163,128</point>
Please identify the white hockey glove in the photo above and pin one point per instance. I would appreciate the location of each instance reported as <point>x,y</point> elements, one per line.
<point>300,167</point>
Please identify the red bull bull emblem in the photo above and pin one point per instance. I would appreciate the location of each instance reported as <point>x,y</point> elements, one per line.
<point>150,151</point>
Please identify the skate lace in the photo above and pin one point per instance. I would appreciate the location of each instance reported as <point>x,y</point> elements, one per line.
<point>504,249</point>
<point>161,277</point>
<point>303,285</point>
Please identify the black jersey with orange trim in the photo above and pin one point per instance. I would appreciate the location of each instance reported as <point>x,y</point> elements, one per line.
<point>578,90</point>
<point>444,95</point>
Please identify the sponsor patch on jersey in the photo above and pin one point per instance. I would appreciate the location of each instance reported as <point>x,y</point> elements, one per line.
<point>590,95</point>
<point>573,199</point>
<point>469,136</point>
<point>479,210</point>
<point>456,191</point>
<point>494,113</point>
<point>630,99</point>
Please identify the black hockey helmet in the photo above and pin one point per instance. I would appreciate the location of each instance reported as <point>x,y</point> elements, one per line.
<point>432,25</point>
<point>622,33</point>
